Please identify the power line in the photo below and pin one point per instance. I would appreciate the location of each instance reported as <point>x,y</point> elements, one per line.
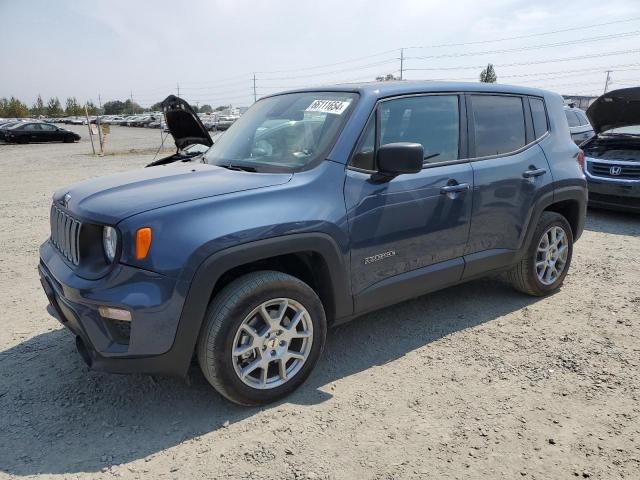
<point>316,67</point>
<point>361,67</point>
<point>536,62</point>
<point>531,35</point>
<point>587,71</point>
<point>531,47</point>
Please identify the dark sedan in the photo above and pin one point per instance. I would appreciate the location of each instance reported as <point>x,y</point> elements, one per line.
<point>26,132</point>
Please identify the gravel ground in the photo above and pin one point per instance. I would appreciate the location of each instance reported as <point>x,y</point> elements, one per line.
<point>476,381</point>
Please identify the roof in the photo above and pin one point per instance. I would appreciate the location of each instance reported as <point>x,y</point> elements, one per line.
<point>404,87</point>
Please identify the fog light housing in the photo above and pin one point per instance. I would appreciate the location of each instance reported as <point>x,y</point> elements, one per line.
<point>115,313</point>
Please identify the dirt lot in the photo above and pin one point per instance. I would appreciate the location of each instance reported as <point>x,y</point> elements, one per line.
<point>475,381</point>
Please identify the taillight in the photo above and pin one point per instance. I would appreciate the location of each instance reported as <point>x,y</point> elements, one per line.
<point>581,160</point>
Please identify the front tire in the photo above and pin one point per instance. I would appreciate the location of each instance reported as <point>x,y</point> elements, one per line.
<point>263,334</point>
<point>546,262</point>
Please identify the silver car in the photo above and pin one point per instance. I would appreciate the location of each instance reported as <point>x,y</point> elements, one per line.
<point>579,126</point>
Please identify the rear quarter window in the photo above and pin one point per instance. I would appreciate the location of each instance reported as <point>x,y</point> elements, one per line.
<point>539,116</point>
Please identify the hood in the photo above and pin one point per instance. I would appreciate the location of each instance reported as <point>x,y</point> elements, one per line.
<point>184,124</point>
<point>618,108</point>
<point>113,198</point>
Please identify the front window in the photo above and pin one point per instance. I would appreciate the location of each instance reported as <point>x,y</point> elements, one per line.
<point>284,132</point>
<point>433,121</point>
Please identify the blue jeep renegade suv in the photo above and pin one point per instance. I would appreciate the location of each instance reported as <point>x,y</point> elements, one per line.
<point>316,206</point>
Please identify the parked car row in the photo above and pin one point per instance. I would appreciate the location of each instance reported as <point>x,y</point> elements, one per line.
<point>212,121</point>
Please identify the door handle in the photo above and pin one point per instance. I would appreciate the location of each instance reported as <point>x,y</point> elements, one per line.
<point>459,187</point>
<point>534,172</point>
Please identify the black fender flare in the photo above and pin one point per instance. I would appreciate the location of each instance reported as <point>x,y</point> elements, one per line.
<point>577,193</point>
<point>214,266</point>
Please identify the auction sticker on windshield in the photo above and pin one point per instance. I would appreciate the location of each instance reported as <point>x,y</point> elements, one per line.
<point>328,106</point>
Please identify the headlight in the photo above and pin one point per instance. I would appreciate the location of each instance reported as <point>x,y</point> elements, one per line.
<point>109,242</point>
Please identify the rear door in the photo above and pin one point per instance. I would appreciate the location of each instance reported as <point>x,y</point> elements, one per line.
<point>50,133</point>
<point>510,173</point>
<point>415,225</point>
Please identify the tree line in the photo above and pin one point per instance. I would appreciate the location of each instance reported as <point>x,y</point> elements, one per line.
<point>14,108</point>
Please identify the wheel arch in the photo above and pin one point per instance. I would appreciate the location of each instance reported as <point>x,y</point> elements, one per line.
<point>315,258</point>
<point>569,201</point>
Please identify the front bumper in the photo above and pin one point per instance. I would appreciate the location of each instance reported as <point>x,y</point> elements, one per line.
<point>608,191</point>
<point>155,302</point>
<point>614,195</point>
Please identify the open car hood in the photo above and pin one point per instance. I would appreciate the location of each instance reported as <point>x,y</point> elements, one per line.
<point>618,108</point>
<point>184,124</point>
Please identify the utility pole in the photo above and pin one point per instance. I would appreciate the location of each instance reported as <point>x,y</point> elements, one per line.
<point>86,114</point>
<point>98,125</point>
<point>178,85</point>
<point>131,98</point>
<point>607,80</point>
<point>401,63</point>
<point>254,88</point>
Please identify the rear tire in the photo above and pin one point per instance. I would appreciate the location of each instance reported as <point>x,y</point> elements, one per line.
<point>546,262</point>
<point>251,348</point>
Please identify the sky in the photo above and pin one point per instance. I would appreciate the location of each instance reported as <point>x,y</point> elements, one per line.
<point>211,50</point>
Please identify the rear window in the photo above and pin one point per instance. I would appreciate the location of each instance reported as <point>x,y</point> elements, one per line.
<point>498,124</point>
<point>572,118</point>
<point>583,118</point>
<point>539,115</point>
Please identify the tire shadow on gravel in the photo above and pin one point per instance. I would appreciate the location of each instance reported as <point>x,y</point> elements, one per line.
<point>60,418</point>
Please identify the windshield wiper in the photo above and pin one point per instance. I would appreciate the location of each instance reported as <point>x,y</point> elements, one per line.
<point>239,168</point>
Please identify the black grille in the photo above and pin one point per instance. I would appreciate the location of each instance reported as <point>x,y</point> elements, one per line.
<point>625,172</point>
<point>65,234</point>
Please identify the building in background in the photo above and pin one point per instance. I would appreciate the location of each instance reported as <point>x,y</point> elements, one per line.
<point>579,101</point>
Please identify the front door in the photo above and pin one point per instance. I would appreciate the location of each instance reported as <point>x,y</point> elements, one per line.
<point>413,224</point>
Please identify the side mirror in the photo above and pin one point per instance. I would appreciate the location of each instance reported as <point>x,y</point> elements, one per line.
<point>398,158</point>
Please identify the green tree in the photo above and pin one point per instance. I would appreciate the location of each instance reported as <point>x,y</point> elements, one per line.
<point>4,107</point>
<point>156,107</point>
<point>92,109</point>
<point>488,75</point>
<point>113,107</point>
<point>221,107</point>
<point>54,109</point>
<point>73,107</point>
<point>132,107</point>
<point>206,108</point>
<point>17,109</point>
<point>38,108</point>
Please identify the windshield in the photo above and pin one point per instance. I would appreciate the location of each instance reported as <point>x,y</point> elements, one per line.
<point>631,130</point>
<point>283,133</point>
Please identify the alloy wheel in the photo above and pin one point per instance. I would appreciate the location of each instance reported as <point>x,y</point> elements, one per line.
<point>272,343</point>
<point>551,255</point>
